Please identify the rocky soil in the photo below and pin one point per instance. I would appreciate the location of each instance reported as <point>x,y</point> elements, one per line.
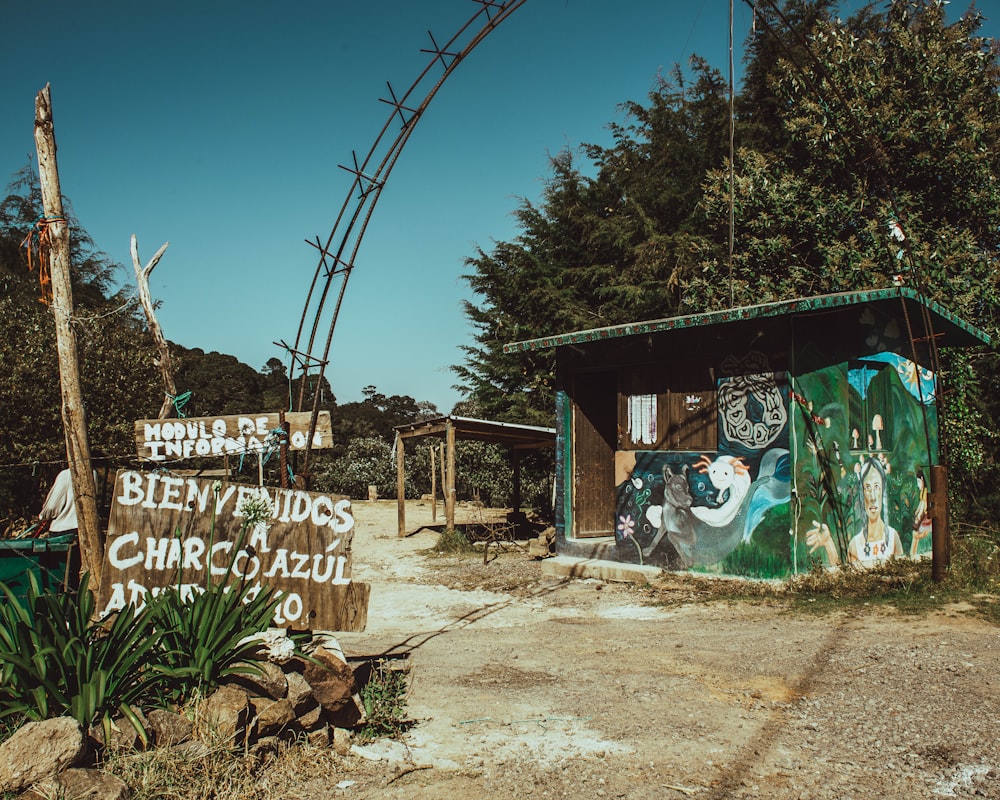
<point>529,686</point>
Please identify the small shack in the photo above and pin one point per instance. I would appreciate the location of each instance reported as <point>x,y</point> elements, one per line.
<point>755,440</point>
<point>452,428</point>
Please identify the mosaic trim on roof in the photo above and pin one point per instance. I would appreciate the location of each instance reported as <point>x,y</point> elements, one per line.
<point>784,307</point>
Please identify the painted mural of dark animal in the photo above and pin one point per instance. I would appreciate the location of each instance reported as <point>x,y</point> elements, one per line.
<point>677,522</point>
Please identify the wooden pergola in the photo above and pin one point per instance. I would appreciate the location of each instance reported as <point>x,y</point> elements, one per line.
<point>451,429</point>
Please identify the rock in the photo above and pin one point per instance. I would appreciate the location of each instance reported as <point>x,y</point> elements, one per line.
<point>167,728</point>
<point>331,679</point>
<point>39,750</point>
<point>79,784</point>
<point>538,548</point>
<point>227,712</point>
<point>311,719</point>
<point>319,737</point>
<point>270,682</point>
<point>123,734</point>
<point>273,716</point>
<point>326,640</point>
<point>342,739</point>
<point>349,714</point>
<point>276,644</point>
<point>300,693</point>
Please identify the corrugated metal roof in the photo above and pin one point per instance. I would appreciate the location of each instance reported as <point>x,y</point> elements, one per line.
<point>949,324</point>
<point>481,430</point>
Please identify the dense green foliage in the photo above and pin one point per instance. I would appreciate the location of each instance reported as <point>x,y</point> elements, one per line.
<point>841,128</point>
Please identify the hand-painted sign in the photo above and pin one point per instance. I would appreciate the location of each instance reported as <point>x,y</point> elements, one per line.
<point>162,439</point>
<point>168,531</point>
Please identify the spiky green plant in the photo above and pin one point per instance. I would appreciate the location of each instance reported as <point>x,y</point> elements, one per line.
<point>56,658</point>
<point>207,634</point>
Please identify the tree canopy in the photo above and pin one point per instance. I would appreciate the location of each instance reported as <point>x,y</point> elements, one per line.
<point>848,133</point>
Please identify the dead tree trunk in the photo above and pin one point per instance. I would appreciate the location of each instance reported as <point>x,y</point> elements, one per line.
<point>73,413</point>
<point>163,351</point>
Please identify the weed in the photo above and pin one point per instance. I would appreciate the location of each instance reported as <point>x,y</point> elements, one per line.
<point>452,542</point>
<point>219,773</point>
<point>908,586</point>
<point>384,700</point>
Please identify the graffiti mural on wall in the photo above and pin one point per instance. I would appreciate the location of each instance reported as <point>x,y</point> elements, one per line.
<point>684,510</point>
<point>865,434</point>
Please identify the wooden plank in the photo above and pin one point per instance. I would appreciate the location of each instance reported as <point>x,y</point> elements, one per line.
<point>595,406</point>
<point>236,434</point>
<point>167,531</point>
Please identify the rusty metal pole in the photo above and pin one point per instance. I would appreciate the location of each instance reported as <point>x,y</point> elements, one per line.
<point>940,533</point>
<point>73,413</point>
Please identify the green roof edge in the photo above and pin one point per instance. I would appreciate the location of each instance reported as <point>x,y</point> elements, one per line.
<point>802,304</point>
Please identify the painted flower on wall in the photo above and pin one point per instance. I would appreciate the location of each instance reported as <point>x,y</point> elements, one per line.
<point>626,526</point>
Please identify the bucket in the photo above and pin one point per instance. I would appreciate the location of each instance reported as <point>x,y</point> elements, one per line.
<point>53,560</point>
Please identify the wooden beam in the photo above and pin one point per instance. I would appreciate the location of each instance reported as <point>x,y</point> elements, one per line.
<point>434,502</point>
<point>74,417</point>
<point>400,488</point>
<point>449,498</point>
<point>940,531</point>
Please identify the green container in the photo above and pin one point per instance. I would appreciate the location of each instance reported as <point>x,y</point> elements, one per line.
<point>47,558</point>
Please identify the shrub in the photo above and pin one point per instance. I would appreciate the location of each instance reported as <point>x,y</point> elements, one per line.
<point>55,659</point>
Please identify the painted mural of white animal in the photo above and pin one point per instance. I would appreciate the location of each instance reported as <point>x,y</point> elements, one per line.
<point>703,542</point>
<point>727,473</point>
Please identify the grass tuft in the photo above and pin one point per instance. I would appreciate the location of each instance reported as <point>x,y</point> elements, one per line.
<point>908,586</point>
<point>452,542</point>
<point>384,699</point>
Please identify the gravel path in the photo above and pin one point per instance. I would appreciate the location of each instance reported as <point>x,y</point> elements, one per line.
<point>526,686</point>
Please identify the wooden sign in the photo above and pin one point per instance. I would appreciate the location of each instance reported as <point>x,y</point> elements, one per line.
<point>166,531</point>
<point>162,439</point>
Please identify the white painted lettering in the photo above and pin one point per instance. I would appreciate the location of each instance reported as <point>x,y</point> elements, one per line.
<point>131,489</point>
<point>114,551</point>
<point>171,489</point>
<point>345,520</point>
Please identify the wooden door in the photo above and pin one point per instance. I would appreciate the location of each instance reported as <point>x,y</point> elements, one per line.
<point>595,432</point>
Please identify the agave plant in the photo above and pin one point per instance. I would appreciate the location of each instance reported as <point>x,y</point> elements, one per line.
<point>208,635</point>
<point>57,659</point>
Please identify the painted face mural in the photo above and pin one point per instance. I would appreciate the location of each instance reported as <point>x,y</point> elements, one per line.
<point>871,492</point>
<point>860,459</point>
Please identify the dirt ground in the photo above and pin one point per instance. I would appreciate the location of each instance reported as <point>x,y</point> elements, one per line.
<point>524,685</point>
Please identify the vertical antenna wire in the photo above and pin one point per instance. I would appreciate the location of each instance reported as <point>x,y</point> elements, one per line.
<point>732,155</point>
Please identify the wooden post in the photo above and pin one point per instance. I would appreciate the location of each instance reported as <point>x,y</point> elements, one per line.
<point>283,452</point>
<point>444,483</point>
<point>937,502</point>
<point>434,497</point>
<point>73,414</point>
<point>162,349</point>
<point>449,488</point>
<point>515,500</point>
<point>400,487</point>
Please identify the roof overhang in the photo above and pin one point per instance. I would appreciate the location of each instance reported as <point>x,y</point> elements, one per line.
<point>517,436</point>
<point>947,329</point>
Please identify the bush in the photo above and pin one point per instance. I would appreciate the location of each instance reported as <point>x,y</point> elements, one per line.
<point>55,659</point>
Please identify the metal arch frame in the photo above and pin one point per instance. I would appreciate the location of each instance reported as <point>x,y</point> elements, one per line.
<point>356,211</point>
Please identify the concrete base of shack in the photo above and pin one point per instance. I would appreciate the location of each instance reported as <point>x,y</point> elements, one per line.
<point>569,567</point>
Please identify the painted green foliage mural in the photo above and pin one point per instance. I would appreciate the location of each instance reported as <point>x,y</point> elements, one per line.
<point>864,438</point>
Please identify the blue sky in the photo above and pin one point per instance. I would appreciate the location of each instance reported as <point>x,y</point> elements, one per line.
<point>219,127</point>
